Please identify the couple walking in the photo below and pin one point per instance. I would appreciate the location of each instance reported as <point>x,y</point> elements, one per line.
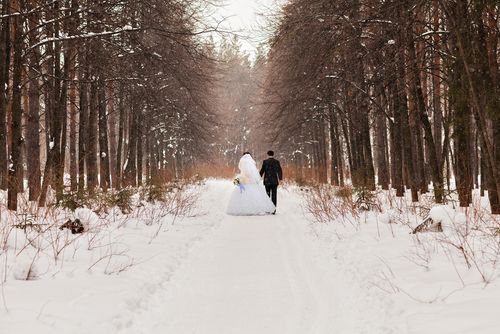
<point>249,198</point>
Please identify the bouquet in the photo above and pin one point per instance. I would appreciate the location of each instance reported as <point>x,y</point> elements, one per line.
<point>238,183</point>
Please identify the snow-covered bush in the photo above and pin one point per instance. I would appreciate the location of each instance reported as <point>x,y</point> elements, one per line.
<point>87,217</point>
<point>325,206</point>
<point>469,238</point>
<point>33,245</point>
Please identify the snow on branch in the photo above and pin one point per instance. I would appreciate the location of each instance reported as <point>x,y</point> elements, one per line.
<point>84,36</point>
<point>432,32</point>
<point>377,21</point>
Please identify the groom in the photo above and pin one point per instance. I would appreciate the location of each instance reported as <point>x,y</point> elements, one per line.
<point>271,170</point>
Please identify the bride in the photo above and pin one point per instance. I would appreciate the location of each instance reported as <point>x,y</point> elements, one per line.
<point>249,197</point>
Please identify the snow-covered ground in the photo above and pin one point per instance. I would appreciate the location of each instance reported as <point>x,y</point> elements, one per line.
<point>214,273</point>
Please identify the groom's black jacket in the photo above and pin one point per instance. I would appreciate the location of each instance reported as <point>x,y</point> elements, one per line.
<point>271,170</point>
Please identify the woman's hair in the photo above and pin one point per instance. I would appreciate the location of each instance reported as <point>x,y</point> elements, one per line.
<point>247,153</point>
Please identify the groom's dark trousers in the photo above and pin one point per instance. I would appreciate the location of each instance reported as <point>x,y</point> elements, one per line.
<point>272,191</point>
<point>272,172</point>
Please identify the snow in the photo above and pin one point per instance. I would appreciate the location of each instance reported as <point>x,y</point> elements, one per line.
<point>448,217</point>
<point>213,273</point>
<point>87,217</point>
<point>432,32</point>
<point>25,267</point>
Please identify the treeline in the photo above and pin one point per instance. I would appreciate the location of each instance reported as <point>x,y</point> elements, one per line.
<point>400,93</point>
<point>111,93</point>
<point>237,98</point>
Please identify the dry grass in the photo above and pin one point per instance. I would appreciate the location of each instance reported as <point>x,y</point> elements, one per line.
<point>325,205</point>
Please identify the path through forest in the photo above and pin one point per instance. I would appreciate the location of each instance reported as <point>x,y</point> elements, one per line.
<point>211,273</point>
<point>258,275</point>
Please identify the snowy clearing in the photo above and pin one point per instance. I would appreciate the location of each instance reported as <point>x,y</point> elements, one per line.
<point>214,273</point>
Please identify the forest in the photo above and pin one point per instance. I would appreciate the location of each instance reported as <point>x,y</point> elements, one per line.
<point>399,94</point>
<point>395,94</point>
<point>128,203</point>
<point>100,94</point>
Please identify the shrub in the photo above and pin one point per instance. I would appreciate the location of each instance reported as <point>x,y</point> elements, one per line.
<point>323,204</point>
<point>154,193</point>
<point>73,200</point>
<point>344,192</point>
<point>122,199</point>
<point>197,179</point>
<point>366,200</point>
<point>301,182</point>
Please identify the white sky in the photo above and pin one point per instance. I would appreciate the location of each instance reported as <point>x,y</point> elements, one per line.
<point>248,19</point>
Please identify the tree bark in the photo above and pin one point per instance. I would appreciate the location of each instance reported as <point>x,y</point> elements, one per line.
<point>103,137</point>
<point>16,168</point>
<point>92,138</point>
<point>33,115</point>
<point>4,83</point>
<point>121,128</point>
<point>112,125</point>
<point>130,172</point>
<point>82,128</point>
<point>397,141</point>
<point>381,146</point>
<point>73,160</point>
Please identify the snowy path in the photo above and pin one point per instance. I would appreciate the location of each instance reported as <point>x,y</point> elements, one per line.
<point>210,274</point>
<point>253,275</point>
<point>258,275</point>
<point>217,274</point>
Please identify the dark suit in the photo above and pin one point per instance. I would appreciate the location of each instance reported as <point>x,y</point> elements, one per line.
<point>272,172</point>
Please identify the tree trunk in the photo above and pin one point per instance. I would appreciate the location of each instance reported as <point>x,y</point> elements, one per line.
<point>121,128</point>
<point>4,82</point>
<point>459,103</point>
<point>436,86</point>
<point>54,166</point>
<point>92,137</point>
<point>33,116</point>
<point>130,173</point>
<point>16,169</point>
<point>72,27</point>
<point>73,161</point>
<point>397,144</point>
<point>381,146</point>
<point>82,135</point>
<point>140,154</point>
<point>112,136</point>
<point>103,137</point>
<point>335,149</point>
<point>322,168</point>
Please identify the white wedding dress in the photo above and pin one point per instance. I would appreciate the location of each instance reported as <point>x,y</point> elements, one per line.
<point>250,197</point>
